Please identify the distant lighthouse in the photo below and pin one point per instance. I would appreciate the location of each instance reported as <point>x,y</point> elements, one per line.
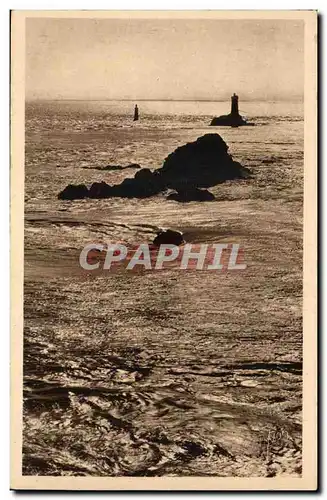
<point>136,113</point>
<point>234,108</point>
<point>234,119</point>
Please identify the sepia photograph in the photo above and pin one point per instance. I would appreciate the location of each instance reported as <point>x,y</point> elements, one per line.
<point>163,213</point>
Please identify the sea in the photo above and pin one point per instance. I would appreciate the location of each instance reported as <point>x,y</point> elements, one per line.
<point>173,372</point>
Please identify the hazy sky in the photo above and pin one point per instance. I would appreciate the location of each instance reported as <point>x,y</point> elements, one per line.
<point>164,59</point>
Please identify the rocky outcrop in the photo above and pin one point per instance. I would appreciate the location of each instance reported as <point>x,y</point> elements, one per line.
<point>199,164</point>
<point>74,192</point>
<point>191,195</point>
<point>230,120</point>
<point>168,237</point>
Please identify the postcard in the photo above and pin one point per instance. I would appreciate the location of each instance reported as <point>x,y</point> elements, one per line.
<point>163,250</point>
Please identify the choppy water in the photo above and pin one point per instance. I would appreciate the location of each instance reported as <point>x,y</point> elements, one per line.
<point>168,373</point>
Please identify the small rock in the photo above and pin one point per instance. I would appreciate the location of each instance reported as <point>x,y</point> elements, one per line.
<point>169,237</point>
<point>191,195</point>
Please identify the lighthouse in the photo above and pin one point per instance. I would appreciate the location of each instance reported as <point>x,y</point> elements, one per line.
<point>234,119</point>
<point>136,113</point>
<point>234,107</point>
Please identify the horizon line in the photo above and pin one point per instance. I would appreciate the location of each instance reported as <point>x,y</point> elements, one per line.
<point>298,99</point>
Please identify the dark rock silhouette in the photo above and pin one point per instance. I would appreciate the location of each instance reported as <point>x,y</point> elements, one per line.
<point>113,168</point>
<point>74,192</point>
<point>110,168</point>
<point>192,195</point>
<point>168,237</point>
<point>228,121</point>
<point>234,119</point>
<point>199,164</point>
<point>100,190</point>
